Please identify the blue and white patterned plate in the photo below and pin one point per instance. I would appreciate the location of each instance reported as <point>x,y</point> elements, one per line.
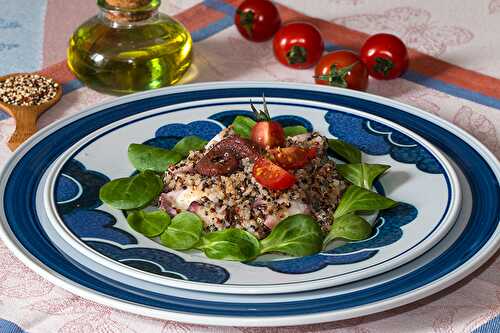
<point>103,235</point>
<point>473,238</point>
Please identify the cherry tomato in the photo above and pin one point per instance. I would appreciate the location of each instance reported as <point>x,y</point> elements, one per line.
<point>268,134</point>
<point>257,20</point>
<point>272,176</point>
<point>385,56</point>
<point>298,45</point>
<point>342,69</point>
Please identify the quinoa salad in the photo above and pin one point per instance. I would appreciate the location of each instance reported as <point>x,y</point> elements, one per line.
<point>257,187</point>
<point>237,200</point>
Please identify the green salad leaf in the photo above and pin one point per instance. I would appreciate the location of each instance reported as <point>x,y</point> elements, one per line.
<point>230,244</point>
<point>150,224</point>
<point>243,126</point>
<point>297,235</point>
<point>294,130</point>
<point>132,192</point>
<point>144,157</point>
<point>345,150</point>
<point>188,144</point>
<point>362,174</point>
<point>356,198</point>
<point>184,231</point>
<point>350,227</point>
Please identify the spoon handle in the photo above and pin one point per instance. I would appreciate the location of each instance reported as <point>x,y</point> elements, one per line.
<point>24,129</point>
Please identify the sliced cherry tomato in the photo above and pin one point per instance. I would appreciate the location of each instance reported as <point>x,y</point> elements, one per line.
<point>298,45</point>
<point>342,69</point>
<point>257,20</point>
<point>266,133</point>
<point>290,157</point>
<point>385,56</point>
<point>272,176</point>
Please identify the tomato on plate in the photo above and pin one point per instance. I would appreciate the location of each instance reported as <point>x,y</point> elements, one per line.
<point>257,20</point>
<point>266,133</point>
<point>272,176</point>
<point>385,56</point>
<point>342,69</point>
<point>298,45</point>
<point>291,157</point>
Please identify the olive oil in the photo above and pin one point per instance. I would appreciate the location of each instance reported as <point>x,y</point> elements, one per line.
<point>129,48</point>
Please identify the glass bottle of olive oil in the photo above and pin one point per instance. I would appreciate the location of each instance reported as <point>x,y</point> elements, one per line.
<point>129,46</point>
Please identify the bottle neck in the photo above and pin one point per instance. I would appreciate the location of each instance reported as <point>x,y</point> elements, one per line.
<point>127,12</point>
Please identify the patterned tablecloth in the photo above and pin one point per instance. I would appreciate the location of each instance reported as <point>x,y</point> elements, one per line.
<point>455,71</point>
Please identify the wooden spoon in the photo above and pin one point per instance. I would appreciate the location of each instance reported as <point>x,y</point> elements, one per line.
<point>26,116</point>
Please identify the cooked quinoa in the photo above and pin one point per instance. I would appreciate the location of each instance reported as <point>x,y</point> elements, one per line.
<point>239,201</point>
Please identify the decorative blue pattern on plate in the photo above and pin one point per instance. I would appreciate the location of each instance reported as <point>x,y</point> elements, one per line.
<point>202,128</point>
<point>168,135</point>
<point>68,189</point>
<point>314,263</point>
<point>77,195</point>
<point>95,224</point>
<point>377,139</point>
<point>162,263</point>
<point>78,187</point>
<point>227,117</point>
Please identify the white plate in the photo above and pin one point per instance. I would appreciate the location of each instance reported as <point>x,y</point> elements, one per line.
<point>103,235</point>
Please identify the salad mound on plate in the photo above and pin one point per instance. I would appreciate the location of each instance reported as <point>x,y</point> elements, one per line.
<point>246,195</point>
<point>253,189</point>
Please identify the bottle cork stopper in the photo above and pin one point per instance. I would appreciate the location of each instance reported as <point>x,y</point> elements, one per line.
<point>125,10</point>
<point>128,4</point>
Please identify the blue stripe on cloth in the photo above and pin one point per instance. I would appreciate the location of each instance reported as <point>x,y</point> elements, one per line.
<point>429,82</point>
<point>492,326</point>
<point>71,85</point>
<point>212,29</point>
<point>221,6</point>
<point>9,327</point>
<point>452,89</point>
<point>3,115</point>
<point>330,47</point>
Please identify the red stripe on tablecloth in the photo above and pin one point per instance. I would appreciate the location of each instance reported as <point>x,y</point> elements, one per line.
<point>419,62</point>
<point>194,18</point>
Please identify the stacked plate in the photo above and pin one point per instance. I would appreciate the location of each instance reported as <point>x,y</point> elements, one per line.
<point>446,225</point>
